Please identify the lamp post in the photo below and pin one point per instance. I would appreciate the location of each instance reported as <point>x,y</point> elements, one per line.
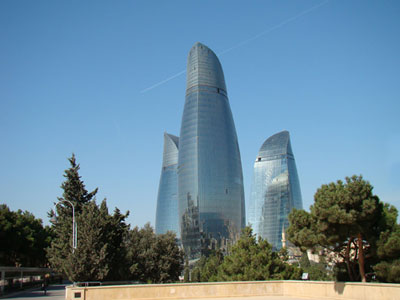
<point>74,225</point>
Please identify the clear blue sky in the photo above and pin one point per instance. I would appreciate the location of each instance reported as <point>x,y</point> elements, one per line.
<point>77,76</point>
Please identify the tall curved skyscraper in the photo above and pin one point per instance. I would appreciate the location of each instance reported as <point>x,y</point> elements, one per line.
<point>167,200</point>
<point>210,180</point>
<point>275,189</point>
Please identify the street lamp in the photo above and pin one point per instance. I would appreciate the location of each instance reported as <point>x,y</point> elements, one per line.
<point>74,225</point>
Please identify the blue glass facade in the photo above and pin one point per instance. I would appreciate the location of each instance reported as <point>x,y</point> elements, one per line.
<point>275,189</point>
<point>167,201</point>
<point>210,181</point>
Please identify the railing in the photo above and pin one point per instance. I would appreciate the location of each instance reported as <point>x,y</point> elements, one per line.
<point>15,278</point>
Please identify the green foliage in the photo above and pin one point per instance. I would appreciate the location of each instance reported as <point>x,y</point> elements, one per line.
<point>116,234</point>
<point>100,235</point>
<point>249,259</point>
<point>346,218</point>
<point>22,239</point>
<point>74,189</point>
<point>316,271</point>
<point>90,260</point>
<point>206,268</point>
<point>302,230</point>
<point>153,258</point>
<point>186,275</point>
<point>107,249</point>
<point>388,269</point>
<point>304,261</point>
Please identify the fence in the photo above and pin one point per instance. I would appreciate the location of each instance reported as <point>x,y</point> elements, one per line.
<point>14,278</point>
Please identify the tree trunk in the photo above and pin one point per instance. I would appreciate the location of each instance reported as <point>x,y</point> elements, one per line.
<point>361,260</point>
<point>347,259</point>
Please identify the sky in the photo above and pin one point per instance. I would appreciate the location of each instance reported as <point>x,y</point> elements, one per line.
<point>106,79</point>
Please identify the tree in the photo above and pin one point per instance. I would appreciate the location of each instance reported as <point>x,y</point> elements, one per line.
<point>345,219</point>
<point>89,261</point>
<point>100,236</point>
<point>316,271</point>
<point>249,259</point>
<point>186,272</point>
<point>75,192</point>
<point>206,268</point>
<point>22,239</point>
<point>116,231</point>
<point>388,268</point>
<point>153,258</point>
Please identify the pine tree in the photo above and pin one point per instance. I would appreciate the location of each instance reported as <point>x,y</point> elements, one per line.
<point>153,258</point>
<point>251,259</point>
<point>388,267</point>
<point>345,219</point>
<point>22,239</point>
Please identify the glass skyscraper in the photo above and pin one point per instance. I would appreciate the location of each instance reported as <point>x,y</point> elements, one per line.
<point>167,201</point>
<point>210,181</point>
<point>275,189</point>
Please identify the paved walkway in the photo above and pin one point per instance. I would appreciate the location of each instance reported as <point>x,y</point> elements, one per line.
<point>54,292</point>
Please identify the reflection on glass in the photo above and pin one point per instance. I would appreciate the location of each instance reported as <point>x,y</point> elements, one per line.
<point>210,182</point>
<point>275,189</point>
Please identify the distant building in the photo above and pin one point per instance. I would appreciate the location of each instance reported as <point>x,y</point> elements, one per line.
<point>210,180</point>
<point>275,189</point>
<point>167,201</point>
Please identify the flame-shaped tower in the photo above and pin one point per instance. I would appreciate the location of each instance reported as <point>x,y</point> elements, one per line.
<point>275,189</point>
<point>167,200</point>
<point>210,180</point>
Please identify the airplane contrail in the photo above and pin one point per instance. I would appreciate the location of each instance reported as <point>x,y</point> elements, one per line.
<point>242,43</point>
<point>163,81</point>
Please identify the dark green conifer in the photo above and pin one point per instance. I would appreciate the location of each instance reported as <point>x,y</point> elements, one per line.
<point>388,267</point>
<point>345,219</point>
<point>100,252</point>
<point>153,258</point>
<point>249,259</point>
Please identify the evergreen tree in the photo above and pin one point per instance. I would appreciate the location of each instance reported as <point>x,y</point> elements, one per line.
<point>388,268</point>
<point>100,252</point>
<point>316,271</point>
<point>345,219</point>
<point>209,272</point>
<point>60,253</point>
<point>153,258</point>
<point>169,258</point>
<point>22,239</point>
<point>90,260</point>
<point>249,259</point>
<point>116,231</point>
<point>186,274</point>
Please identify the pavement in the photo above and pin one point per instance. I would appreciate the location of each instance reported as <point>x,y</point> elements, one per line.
<point>54,292</point>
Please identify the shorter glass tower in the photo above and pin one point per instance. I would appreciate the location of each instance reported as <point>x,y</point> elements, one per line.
<point>275,189</point>
<point>167,200</point>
